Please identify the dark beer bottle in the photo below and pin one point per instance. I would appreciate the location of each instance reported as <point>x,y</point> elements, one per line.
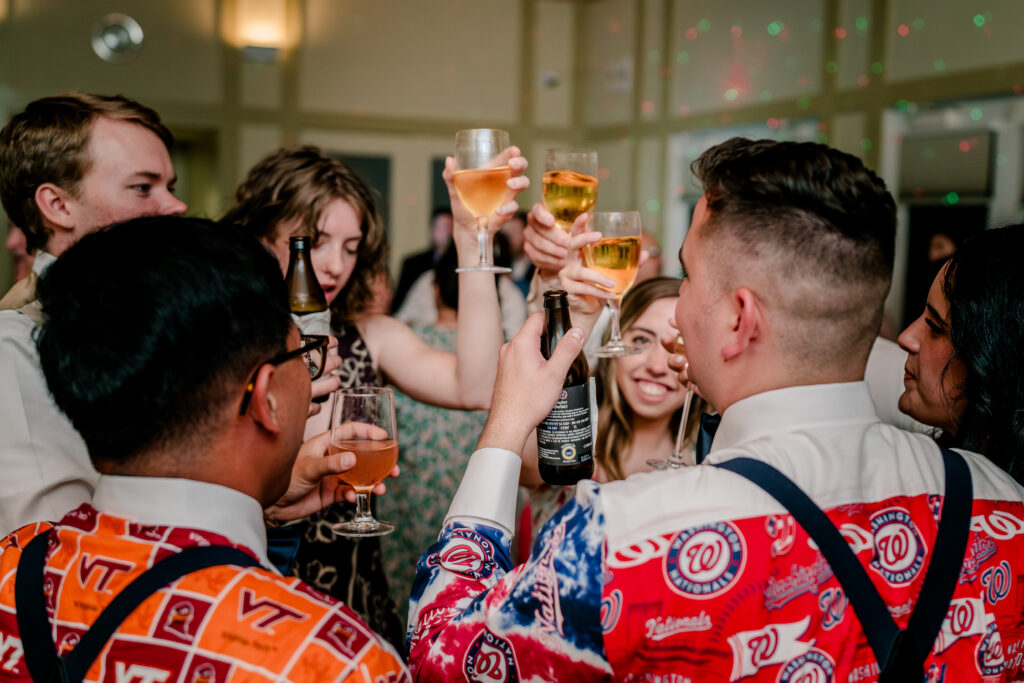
<point>565,438</point>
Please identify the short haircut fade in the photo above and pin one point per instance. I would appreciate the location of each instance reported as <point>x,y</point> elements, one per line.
<point>812,222</point>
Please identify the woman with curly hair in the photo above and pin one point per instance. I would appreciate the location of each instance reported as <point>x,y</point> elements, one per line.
<point>964,372</point>
<point>302,191</point>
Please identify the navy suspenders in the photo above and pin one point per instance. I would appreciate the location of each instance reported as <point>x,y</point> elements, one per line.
<point>900,653</point>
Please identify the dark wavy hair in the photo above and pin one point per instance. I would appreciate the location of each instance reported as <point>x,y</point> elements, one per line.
<point>984,286</point>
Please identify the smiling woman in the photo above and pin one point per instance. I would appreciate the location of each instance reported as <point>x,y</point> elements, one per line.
<point>965,372</point>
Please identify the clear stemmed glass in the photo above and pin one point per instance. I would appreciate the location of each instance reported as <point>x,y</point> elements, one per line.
<point>570,184</point>
<point>481,181</point>
<point>617,256</point>
<point>363,423</point>
<point>678,458</point>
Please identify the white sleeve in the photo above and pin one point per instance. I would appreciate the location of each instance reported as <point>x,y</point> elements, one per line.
<point>489,490</point>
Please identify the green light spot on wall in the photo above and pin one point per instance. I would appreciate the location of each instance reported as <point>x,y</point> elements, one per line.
<point>831,67</point>
<point>731,94</point>
<point>862,24</point>
<point>803,102</point>
<point>939,64</point>
<point>902,105</point>
<point>918,24</point>
<point>928,154</point>
<point>877,68</point>
<point>865,144</point>
<point>951,198</point>
<point>822,138</point>
<point>683,57</point>
<point>1002,160</point>
<point>653,205</point>
<point>816,26</point>
<point>766,96</point>
<point>704,25</point>
<point>976,114</point>
<point>978,20</point>
<point>775,28</point>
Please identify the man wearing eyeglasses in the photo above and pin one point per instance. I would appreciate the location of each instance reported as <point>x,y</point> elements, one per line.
<point>190,386</point>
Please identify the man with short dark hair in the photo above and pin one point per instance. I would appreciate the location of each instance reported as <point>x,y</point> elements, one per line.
<point>69,164</point>
<point>696,574</point>
<point>190,385</point>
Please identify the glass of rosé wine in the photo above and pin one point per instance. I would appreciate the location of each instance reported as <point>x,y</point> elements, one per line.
<point>481,182</point>
<point>363,423</point>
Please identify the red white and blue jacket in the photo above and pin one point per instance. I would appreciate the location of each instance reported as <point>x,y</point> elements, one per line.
<point>698,575</point>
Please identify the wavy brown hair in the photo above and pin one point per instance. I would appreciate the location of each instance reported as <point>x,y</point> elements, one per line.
<point>615,417</point>
<point>298,183</point>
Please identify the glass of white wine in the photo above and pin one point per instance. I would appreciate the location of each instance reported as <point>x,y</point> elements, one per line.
<point>617,256</point>
<point>570,184</point>
<point>481,181</point>
<point>363,423</point>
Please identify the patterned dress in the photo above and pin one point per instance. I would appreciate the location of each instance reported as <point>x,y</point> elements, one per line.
<point>349,569</point>
<point>435,445</point>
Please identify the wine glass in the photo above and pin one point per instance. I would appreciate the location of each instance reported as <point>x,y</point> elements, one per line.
<point>363,423</point>
<point>570,184</point>
<point>617,256</point>
<point>481,182</point>
<point>678,457</point>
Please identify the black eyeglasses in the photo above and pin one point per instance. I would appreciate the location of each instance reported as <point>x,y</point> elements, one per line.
<point>313,350</point>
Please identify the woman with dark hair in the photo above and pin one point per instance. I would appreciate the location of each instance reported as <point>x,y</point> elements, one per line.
<point>965,372</point>
<point>302,191</point>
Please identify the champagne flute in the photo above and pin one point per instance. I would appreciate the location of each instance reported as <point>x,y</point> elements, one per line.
<point>482,184</point>
<point>570,184</point>
<point>363,423</point>
<point>617,256</point>
<point>678,458</point>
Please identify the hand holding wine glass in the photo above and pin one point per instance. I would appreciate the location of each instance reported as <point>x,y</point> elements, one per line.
<point>617,257</point>
<point>483,177</point>
<point>363,423</point>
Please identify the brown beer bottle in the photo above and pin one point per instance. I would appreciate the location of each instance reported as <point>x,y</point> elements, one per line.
<point>305,296</point>
<point>304,292</point>
<point>565,438</point>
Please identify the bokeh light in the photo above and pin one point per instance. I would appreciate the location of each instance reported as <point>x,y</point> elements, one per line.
<point>831,67</point>
<point>979,20</point>
<point>704,25</point>
<point>951,198</point>
<point>775,28</point>
<point>772,123</point>
<point>903,30</point>
<point>877,68</point>
<point>653,205</point>
<point>975,114</point>
<point>918,24</point>
<point>683,57</point>
<point>840,32</point>
<point>939,64</point>
<point>862,24</point>
<point>731,94</point>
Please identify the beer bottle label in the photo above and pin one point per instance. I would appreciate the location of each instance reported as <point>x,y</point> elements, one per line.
<point>566,436</point>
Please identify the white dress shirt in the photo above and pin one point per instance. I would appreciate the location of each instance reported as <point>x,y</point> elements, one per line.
<point>185,503</point>
<point>44,466</point>
<point>827,438</point>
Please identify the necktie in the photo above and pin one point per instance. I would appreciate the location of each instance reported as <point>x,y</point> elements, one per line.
<point>708,427</point>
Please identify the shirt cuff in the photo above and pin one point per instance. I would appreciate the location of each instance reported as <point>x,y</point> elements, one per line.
<point>488,491</point>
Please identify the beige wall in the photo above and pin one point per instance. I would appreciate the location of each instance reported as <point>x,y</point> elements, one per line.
<point>398,77</point>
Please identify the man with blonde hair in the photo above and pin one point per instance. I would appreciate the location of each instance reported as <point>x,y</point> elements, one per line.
<point>69,164</point>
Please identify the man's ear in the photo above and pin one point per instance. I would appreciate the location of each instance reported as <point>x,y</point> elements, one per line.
<point>53,201</point>
<point>747,322</point>
<point>263,405</point>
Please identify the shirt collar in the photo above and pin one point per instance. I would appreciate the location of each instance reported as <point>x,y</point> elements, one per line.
<point>42,261</point>
<point>791,409</point>
<point>164,501</point>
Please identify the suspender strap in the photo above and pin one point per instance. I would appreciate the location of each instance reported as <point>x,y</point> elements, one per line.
<point>30,609</point>
<point>943,568</point>
<point>43,655</point>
